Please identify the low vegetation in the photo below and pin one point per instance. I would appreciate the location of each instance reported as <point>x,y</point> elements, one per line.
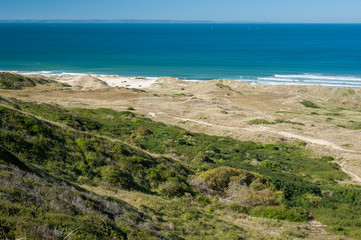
<point>16,81</point>
<point>184,181</point>
<point>276,121</point>
<point>309,104</point>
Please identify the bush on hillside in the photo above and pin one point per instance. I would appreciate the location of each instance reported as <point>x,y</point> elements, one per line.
<point>117,177</point>
<point>173,188</point>
<point>202,158</point>
<point>281,213</point>
<point>237,186</point>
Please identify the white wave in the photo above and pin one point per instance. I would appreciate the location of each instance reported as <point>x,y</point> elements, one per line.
<point>72,74</point>
<point>311,81</point>
<point>278,79</point>
<point>315,76</point>
<point>307,84</point>
<point>47,73</point>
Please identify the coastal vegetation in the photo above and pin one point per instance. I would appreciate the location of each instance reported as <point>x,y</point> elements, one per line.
<point>276,121</point>
<point>99,173</point>
<point>16,81</point>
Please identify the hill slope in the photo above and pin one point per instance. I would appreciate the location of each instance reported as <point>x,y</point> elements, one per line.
<point>165,182</point>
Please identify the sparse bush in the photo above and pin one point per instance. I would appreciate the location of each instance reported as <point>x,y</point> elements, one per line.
<point>309,104</point>
<point>259,121</point>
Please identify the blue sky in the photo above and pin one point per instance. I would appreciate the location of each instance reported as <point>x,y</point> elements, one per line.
<point>322,11</point>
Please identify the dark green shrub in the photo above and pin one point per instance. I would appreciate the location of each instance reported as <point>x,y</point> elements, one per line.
<point>309,104</point>
<point>259,121</point>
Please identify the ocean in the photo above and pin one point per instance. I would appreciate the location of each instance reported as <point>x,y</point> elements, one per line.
<point>296,54</point>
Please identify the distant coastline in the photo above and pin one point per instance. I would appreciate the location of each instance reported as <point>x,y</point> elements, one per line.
<point>118,21</point>
<point>277,80</point>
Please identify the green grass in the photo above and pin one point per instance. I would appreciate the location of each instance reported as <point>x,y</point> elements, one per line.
<point>309,104</point>
<point>276,121</point>
<point>130,152</point>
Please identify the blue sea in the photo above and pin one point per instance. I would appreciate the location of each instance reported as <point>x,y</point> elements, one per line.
<point>297,54</point>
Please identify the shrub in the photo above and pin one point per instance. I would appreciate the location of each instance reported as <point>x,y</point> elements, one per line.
<point>270,164</point>
<point>219,178</point>
<point>237,186</point>
<point>117,177</point>
<point>173,188</point>
<point>182,141</point>
<point>143,131</point>
<point>202,158</point>
<point>252,197</point>
<point>213,148</point>
<point>311,200</point>
<point>281,213</point>
<point>259,121</point>
<point>309,104</point>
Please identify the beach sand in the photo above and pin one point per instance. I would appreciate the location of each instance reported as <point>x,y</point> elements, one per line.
<point>100,81</point>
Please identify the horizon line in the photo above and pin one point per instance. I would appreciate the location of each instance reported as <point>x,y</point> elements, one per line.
<point>153,21</point>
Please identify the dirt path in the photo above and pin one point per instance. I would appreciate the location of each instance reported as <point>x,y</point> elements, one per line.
<point>357,178</point>
<point>271,130</point>
<point>304,138</point>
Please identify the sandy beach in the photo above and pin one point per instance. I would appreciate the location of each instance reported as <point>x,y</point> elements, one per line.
<point>99,81</point>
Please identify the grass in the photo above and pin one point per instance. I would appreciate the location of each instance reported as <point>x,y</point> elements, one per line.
<point>15,81</point>
<point>309,104</point>
<point>70,147</point>
<point>276,121</point>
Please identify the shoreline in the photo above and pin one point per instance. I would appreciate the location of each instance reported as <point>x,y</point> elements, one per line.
<point>113,80</point>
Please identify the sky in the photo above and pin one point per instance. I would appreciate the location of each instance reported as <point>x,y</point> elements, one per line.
<point>283,11</point>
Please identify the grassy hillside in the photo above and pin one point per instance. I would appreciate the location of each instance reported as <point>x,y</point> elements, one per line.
<point>184,182</point>
<point>16,81</point>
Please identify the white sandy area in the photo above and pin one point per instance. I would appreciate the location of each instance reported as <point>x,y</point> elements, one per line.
<point>101,81</point>
<point>130,82</point>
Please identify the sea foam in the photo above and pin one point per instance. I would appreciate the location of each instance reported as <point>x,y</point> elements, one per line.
<point>308,79</point>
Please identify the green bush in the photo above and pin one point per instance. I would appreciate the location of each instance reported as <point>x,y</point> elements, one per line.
<point>310,201</point>
<point>259,121</point>
<point>309,104</point>
<point>117,177</point>
<point>270,164</point>
<point>202,158</point>
<point>173,188</point>
<point>281,213</point>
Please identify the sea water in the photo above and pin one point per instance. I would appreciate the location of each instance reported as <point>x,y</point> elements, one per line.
<point>296,54</point>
